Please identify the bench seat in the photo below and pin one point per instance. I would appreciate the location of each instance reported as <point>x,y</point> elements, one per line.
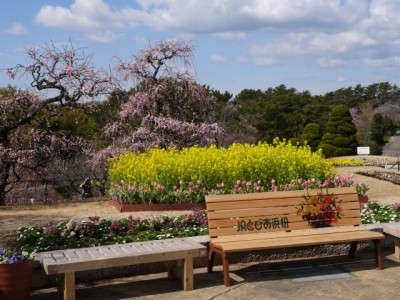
<point>299,238</point>
<point>277,220</point>
<point>65,263</point>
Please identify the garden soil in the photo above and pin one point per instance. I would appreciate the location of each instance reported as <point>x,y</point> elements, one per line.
<point>13,217</point>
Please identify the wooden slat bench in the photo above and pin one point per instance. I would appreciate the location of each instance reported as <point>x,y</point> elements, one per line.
<point>65,263</point>
<point>276,220</point>
<point>394,230</point>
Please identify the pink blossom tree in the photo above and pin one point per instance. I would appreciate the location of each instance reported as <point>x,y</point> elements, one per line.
<point>66,75</point>
<point>167,107</point>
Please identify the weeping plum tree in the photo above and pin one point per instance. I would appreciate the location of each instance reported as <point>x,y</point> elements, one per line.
<point>65,73</point>
<point>167,107</point>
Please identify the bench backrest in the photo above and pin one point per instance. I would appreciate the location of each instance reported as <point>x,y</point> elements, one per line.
<point>252,213</point>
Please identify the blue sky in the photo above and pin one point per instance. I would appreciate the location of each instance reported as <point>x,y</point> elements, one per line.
<point>315,45</point>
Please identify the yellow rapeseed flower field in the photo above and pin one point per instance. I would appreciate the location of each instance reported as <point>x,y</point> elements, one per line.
<point>279,161</point>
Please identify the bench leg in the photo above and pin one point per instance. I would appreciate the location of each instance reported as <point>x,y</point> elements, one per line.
<point>66,283</point>
<point>353,249</point>
<point>211,256</point>
<point>225,263</point>
<point>397,247</point>
<point>173,268</point>
<point>187,278</point>
<point>60,283</point>
<point>378,254</point>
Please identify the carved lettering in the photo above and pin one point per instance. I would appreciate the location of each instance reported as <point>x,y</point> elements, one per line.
<point>262,224</point>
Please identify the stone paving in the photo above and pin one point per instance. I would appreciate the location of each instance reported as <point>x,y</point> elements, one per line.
<point>333,277</point>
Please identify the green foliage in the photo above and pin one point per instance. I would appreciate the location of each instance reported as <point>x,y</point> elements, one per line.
<point>340,137</point>
<point>277,112</point>
<point>378,130</point>
<point>374,148</point>
<point>312,135</point>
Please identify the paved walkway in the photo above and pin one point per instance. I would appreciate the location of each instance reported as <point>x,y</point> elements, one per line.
<point>326,278</point>
<point>392,148</point>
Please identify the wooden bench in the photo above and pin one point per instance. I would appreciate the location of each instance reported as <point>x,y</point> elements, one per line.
<point>65,263</point>
<point>394,230</point>
<point>276,220</point>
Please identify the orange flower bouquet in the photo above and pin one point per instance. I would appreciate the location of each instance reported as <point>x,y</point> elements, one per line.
<point>321,210</point>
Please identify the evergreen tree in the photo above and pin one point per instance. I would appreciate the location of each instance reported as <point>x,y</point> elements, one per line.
<point>340,133</point>
<point>377,130</point>
<point>312,134</point>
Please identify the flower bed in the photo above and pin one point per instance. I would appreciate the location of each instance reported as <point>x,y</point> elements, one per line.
<point>373,213</point>
<point>387,176</point>
<point>96,231</point>
<point>195,192</point>
<point>348,162</point>
<point>172,176</point>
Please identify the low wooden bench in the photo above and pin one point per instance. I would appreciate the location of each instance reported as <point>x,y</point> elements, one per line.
<point>276,220</point>
<point>394,230</point>
<point>65,263</point>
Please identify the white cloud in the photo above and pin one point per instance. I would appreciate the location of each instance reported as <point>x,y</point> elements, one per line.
<point>386,62</point>
<point>199,16</point>
<point>218,58</point>
<point>17,29</point>
<point>82,14</point>
<point>332,31</point>
<point>232,36</point>
<point>105,37</point>
<point>331,63</point>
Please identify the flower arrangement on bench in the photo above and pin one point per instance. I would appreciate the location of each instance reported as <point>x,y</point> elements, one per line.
<point>321,210</point>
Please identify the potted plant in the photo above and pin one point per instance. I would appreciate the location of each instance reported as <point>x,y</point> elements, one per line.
<point>16,270</point>
<point>362,189</point>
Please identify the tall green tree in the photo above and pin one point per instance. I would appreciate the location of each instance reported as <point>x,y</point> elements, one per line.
<point>340,134</point>
<point>312,135</point>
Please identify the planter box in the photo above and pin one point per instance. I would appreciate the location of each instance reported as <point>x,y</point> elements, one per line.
<point>125,207</point>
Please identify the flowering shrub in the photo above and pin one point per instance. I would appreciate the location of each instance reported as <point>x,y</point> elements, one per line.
<point>13,257</point>
<point>96,231</point>
<point>169,176</point>
<point>348,162</point>
<point>321,210</point>
<point>373,213</point>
